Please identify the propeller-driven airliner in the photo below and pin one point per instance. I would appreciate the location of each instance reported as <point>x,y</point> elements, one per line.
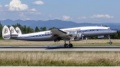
<point>55,34</point>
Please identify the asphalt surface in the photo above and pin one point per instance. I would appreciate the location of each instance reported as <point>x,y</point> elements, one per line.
<point>59,48</point>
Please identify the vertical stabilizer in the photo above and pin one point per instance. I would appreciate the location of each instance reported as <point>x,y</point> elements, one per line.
<point>13,32</point>
<point>18,30</point>
<point>6,33</point>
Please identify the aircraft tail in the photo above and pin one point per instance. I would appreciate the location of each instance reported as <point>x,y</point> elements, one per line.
<point>13,32</point>
<point>18,30</point>
<point>6,33</point>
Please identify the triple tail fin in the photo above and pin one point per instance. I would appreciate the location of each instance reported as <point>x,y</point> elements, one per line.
<point>6,33</point>
<point>13,32</point>
<point>18,31</point>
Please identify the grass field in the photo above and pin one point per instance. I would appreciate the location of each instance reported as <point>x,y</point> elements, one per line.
<point>102,42</point>
<point>60,58</point>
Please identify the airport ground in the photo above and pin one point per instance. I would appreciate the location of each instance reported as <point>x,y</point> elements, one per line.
<point>93,42</point>
<point>59,58</point>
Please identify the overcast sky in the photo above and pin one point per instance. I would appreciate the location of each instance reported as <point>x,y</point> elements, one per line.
<point>68,10</point>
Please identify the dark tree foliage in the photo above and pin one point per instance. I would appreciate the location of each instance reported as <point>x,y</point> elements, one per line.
<point>29,30</point>
<point>24,28</point>
<point>43,28</point>
<point>37,29</point>
<point>1,30</point>
<point>52,28</point>
<point>116,35</point>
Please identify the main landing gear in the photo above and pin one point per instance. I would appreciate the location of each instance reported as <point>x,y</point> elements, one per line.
<point>69,45</point>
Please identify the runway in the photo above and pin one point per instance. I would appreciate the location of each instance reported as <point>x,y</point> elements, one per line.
<point>59,48</point>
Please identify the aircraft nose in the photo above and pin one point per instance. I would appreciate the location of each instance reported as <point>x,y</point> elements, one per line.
<point>114,31</point>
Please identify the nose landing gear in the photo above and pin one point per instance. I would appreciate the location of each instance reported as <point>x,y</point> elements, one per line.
<point>110,42</point>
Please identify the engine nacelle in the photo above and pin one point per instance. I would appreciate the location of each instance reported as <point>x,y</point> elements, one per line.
<point>78,37</point>
<point>100,37</point>
<point>6,33</point>
<point>56,38</point>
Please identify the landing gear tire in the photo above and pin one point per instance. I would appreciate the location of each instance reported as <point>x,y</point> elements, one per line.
<point>68,45</point>
<point>110,43</point>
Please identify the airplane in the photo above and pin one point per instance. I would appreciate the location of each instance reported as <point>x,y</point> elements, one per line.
<point>55,34</point>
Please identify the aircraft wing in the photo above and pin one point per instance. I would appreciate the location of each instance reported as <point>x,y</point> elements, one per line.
<point>60,33</point>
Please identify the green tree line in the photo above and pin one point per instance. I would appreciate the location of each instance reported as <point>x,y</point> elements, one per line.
<point>26,29</point>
